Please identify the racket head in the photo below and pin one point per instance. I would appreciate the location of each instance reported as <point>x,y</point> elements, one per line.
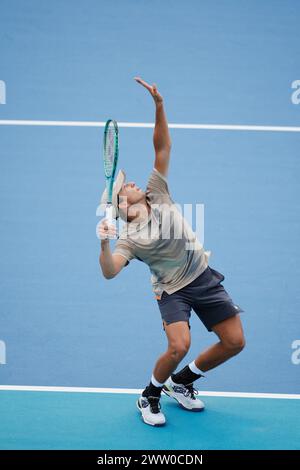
<point>110,155</point>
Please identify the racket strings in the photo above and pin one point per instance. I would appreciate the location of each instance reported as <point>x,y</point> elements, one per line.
<point>109,150</point>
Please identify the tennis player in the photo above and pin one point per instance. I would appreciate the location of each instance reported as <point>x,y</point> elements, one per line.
<point>182,279</point>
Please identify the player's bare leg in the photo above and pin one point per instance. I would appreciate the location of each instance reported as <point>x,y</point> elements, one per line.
<point>179,340</point>
<point>180,385</point>
<point>232,342</point>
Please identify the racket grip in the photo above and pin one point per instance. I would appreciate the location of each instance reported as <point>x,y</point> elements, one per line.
<point>109,214</point>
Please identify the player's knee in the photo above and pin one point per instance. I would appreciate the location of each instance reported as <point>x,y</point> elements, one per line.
<point>179,350</point>
<point>235,343</point>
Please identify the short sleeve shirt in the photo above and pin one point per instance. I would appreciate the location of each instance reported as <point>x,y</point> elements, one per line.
<point>164,241</point>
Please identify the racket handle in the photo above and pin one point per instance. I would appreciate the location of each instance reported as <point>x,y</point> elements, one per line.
<point>109,214</point>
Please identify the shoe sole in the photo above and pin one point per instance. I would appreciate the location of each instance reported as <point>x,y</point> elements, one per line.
<point>194,410</point>
<point>159,425</point>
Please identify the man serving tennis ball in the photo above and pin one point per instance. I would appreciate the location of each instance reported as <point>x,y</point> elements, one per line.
<point>181,277</point>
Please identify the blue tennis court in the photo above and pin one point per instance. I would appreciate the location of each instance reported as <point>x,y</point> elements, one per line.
<point>60,420</point>
<point>229,76</point>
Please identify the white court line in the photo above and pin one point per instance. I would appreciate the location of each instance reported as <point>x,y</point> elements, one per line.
<point>29,388</point>
<point>224,127</point>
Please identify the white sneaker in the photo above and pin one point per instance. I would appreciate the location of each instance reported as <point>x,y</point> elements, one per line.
<point>150,410</point>
<point>184,394</point>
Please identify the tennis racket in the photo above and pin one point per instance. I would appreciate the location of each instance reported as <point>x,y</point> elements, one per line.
<point>110,159</point>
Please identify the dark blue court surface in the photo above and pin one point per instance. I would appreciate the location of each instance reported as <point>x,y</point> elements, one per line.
<point>62,324</point>
<point>57,420</point>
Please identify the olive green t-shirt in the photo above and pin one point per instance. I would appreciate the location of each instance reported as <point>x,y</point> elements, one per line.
<point>164,241</point>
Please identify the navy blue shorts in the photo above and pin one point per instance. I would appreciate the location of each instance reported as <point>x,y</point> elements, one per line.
<point>205,295</point>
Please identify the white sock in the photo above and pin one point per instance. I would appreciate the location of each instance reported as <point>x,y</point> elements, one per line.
<point>155,382</point>
<point>195,369</point>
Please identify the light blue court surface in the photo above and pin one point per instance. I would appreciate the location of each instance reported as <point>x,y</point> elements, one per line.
<point>56,420</point>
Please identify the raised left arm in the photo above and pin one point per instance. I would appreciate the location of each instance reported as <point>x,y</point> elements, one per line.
<point>161,136</point>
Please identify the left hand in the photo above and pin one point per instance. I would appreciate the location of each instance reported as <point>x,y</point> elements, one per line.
<point>152,90</point>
